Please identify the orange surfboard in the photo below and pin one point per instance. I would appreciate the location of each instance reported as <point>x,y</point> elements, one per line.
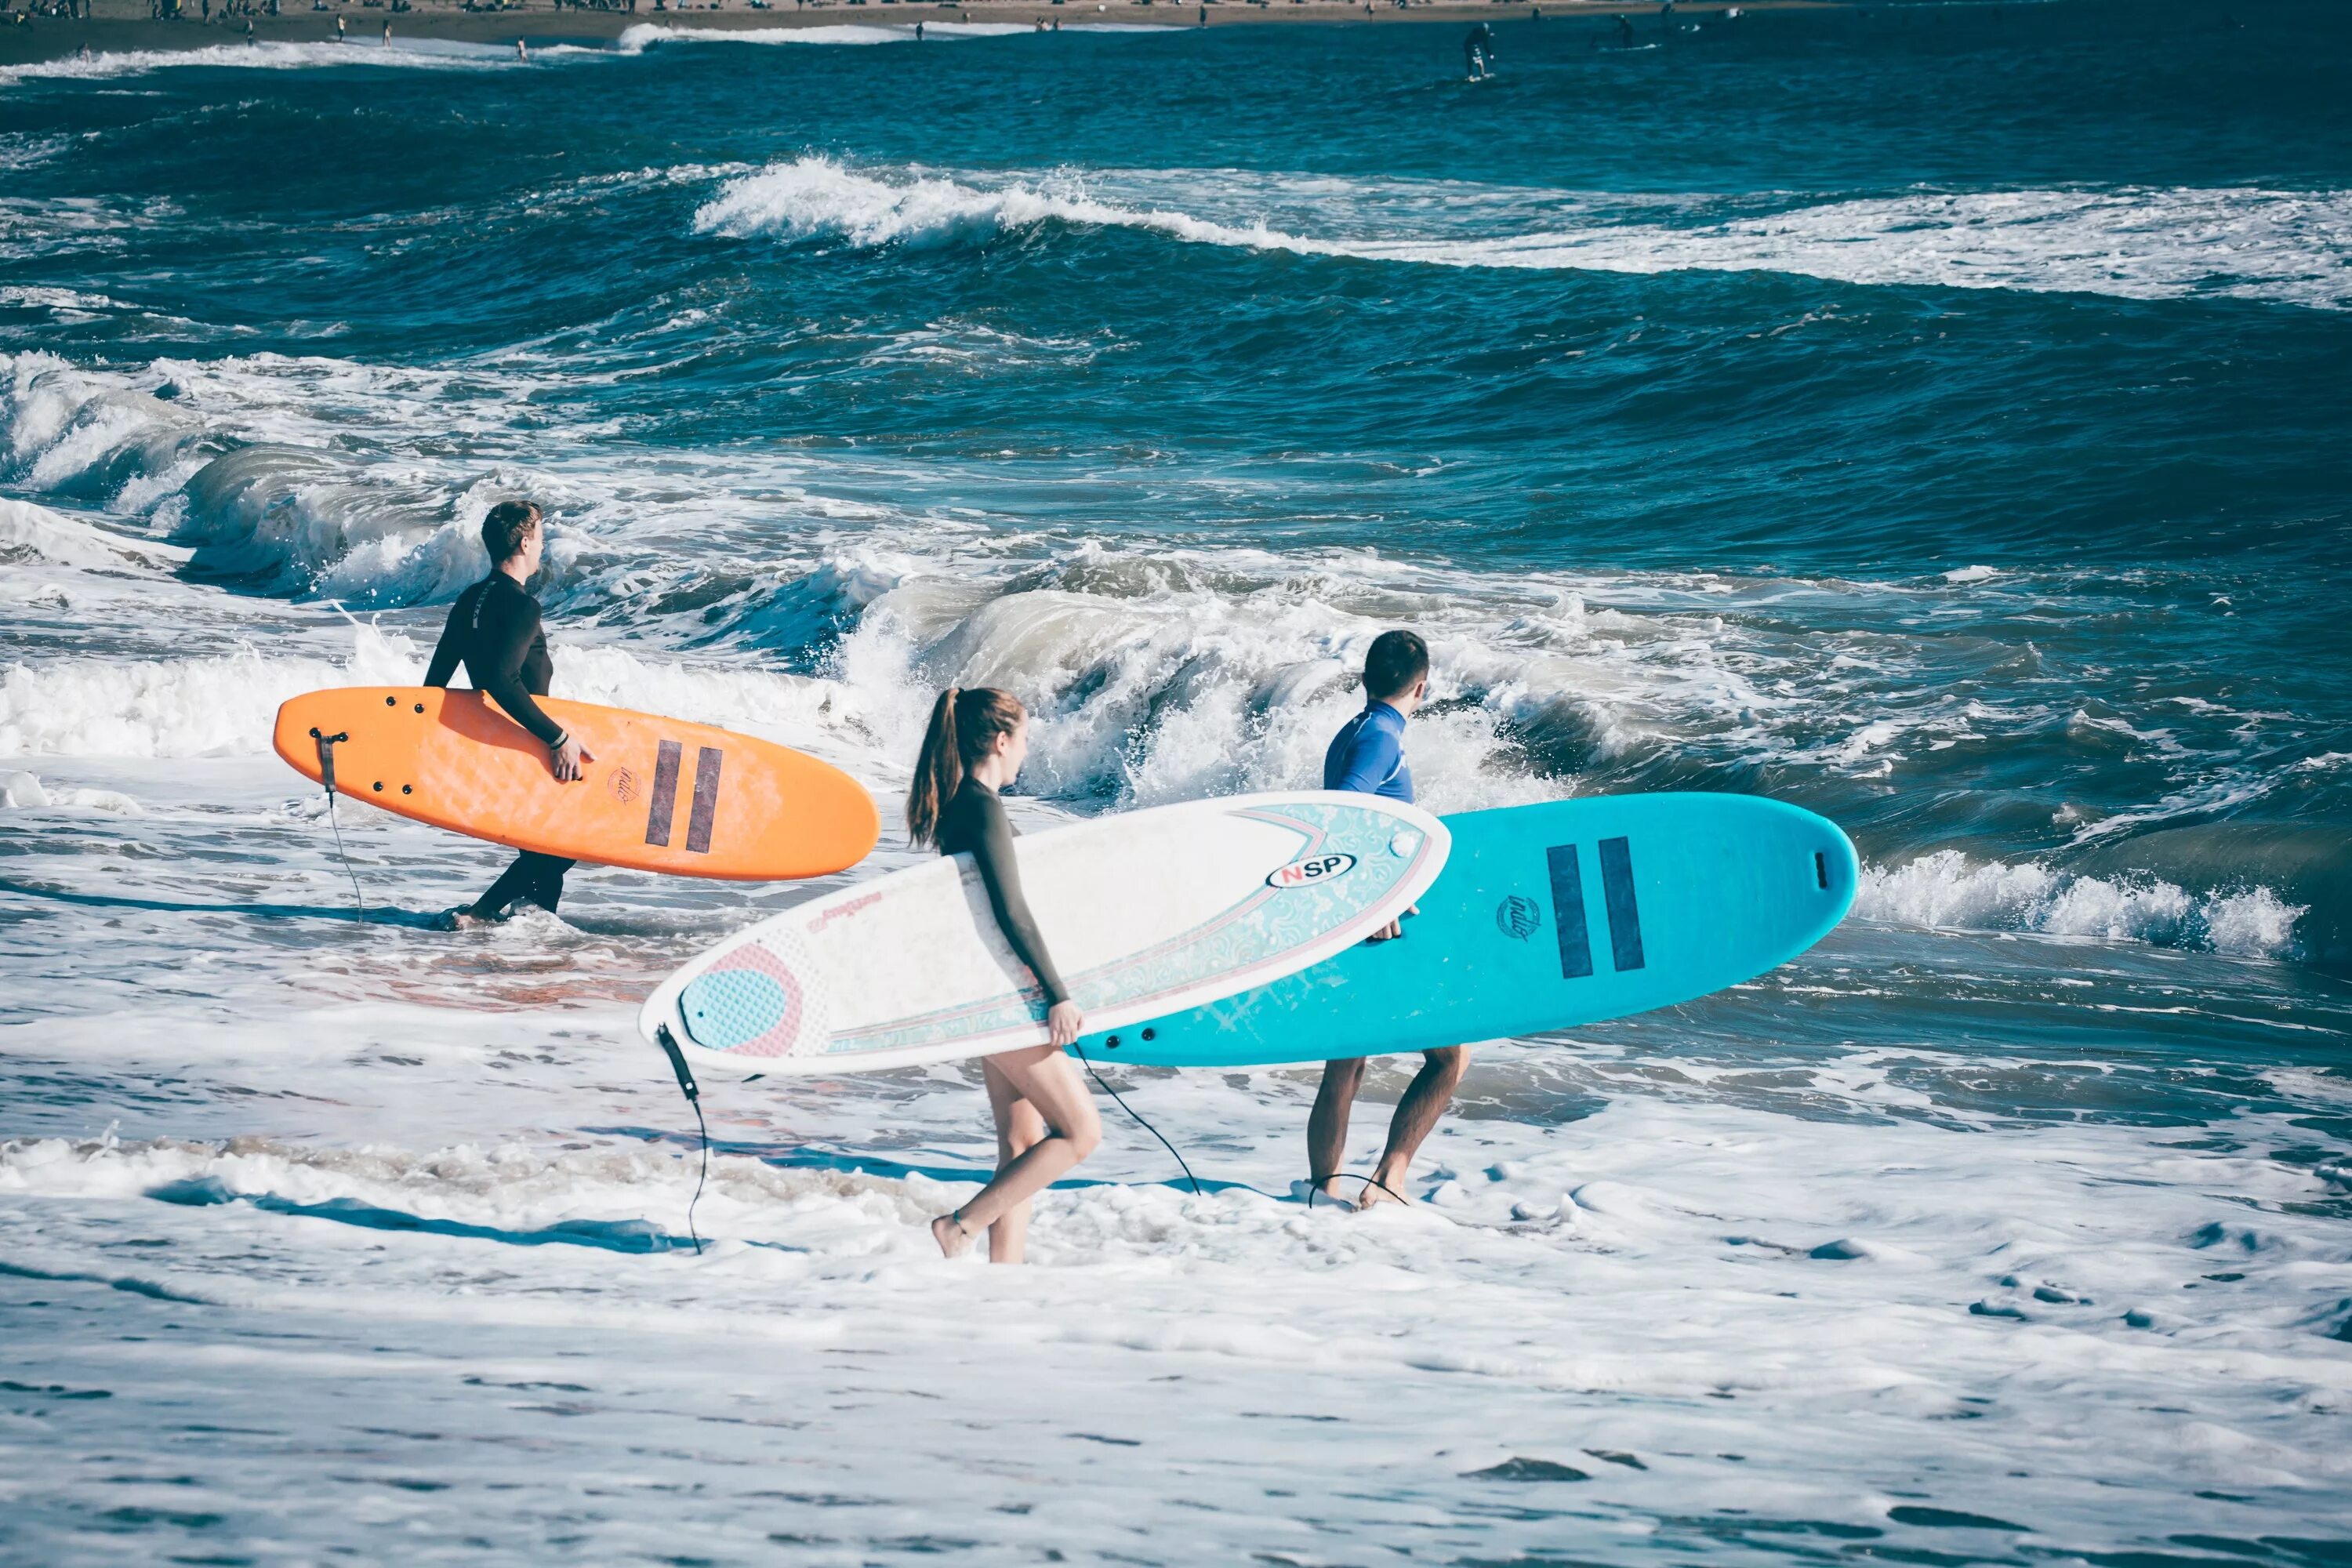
<point>661,795</point>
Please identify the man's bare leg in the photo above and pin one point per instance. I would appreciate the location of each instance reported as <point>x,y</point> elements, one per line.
<point>1425,1100</point>
<point>1327,1126</point>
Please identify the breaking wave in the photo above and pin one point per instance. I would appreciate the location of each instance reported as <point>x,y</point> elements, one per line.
<point>646,34</point>
<point>227,706</point>
<point>2286,247</point>
<point>1946,889</point>
<point>430,53</point>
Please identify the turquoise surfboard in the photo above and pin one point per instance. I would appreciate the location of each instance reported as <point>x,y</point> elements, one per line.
<point>1546,917</point>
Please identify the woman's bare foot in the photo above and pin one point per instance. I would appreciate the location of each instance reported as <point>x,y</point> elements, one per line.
<point>953,1239</point>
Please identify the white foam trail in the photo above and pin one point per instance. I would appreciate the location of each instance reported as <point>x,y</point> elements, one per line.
<point>1948,890</point>
<point>26,529</point>
<point>65,303</point>
<point>646,34</point>
<point>226,707</point>
<point>362,50</point>
<point>816,197</point>
<point>2138,242</point>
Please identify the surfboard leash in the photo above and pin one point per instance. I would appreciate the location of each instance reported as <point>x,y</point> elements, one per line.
<point>327,774</point>
<point>1147,1126</point>
<point>1315,1185</point>
<point>693,1092</point>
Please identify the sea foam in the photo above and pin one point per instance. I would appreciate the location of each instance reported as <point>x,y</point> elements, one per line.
<point>361,51</point>
<point>646,34</point>
<point>227,706</point>
<point>26,529</point>
<point>2288,246</point>
<point>1948,890</point>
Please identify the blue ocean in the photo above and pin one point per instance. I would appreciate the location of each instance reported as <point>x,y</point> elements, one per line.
<point>1935,415</point>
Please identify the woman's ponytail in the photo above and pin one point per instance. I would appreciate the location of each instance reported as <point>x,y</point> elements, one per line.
<point>939,772</point>
<point>963,729</point>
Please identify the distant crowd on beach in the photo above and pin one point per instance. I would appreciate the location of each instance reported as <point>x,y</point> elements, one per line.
<point>1478,48</point>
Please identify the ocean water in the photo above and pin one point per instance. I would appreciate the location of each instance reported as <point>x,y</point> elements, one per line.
<point>1935,415</point>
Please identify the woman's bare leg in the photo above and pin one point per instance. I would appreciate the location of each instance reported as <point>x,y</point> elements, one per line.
<point>1044,1078</point>
<point>1019,1129</point>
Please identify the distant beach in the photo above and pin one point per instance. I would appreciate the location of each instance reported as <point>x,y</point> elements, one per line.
<point>120,27</point>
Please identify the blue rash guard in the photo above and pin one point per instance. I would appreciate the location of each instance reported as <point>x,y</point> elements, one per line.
<point>1368,754</point>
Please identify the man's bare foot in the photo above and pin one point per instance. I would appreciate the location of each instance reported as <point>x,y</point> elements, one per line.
<point>1382,1190</point>
<point>953,1239</point>
<point>1329,1188</point>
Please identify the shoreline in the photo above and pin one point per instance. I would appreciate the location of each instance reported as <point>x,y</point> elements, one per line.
<point>123,26</point>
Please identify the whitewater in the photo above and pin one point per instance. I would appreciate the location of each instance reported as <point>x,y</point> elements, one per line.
<point>1931,416</point>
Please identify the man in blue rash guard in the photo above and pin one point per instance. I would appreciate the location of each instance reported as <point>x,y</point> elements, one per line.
<point>1367,757</point>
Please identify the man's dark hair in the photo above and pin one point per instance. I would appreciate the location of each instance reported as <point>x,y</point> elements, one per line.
<point>1397,660</point>
<point>504,528</point>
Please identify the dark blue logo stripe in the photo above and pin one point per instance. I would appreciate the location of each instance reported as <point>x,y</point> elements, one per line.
<point>706,799</point>
<point>1617,895</point>
<point>664,804</point>
<point>1567,913</point>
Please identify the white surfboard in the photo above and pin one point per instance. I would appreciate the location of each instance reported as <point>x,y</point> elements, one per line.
<point>1146,912</point>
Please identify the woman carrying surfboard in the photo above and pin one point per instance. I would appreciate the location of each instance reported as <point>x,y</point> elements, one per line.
<point>494,631</point>
<point>1045,1120</point>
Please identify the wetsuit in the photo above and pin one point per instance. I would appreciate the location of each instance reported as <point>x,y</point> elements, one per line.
<point>1368,754</point>
<point>1475,46</point>
<point>494,631</point>
<point>974,821</point>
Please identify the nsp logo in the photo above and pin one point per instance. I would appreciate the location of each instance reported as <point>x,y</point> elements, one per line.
<point>1314,868</point>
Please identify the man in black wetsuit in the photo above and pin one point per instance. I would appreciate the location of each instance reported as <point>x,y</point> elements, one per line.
<point>1478,52</point>
<point>494,631</point>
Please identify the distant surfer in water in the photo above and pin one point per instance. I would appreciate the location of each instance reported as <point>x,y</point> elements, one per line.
<point>1045,1120</point>
<point>1478,52</point>
<point>1367,757</point>
<point>494,631</point>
